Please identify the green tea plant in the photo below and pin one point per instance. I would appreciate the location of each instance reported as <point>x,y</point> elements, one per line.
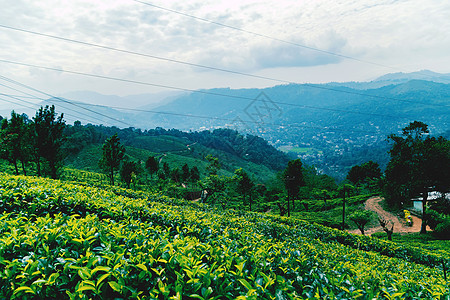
<point>64,240</point>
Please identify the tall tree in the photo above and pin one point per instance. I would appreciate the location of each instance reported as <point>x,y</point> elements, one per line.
<point>195,174</point>
<point>152,165</point>
<point>14,140</point>
<point>175,175</point>
<point>185,173</point>
<point>129,171</point>
<point>244,185</point>
<point>293,179</point>
<point>113,154</point>
<point>48,131</point>
<point>362,173</point>
<point>213,166</point>
<point>419,163</point>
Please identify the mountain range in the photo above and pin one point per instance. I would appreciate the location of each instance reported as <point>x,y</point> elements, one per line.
<point>332,126</point>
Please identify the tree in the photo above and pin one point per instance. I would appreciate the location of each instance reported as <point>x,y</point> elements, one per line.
<point>365,172</point>
<point>129,172</point>
<point>343,190</point>
<point>166,169</point>
<point>14,139</point>
<point>361,218</point>
<point>175,175</point>
<point>195,174</point>
<point>215,187</point>
<point>213,166</point>
<point>384,225</point>
<point>48,131</point>
<point>152,165</point>
<point>113,154</point>
<point>419,163</point>
<point>293,179</point>
<point>244,185</point>
<point>185,173</point>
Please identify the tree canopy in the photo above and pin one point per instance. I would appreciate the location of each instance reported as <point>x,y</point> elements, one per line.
<point>293,179</point>
<point>419,164</point>
<point>364,172</point>
<point>113,153</point>
<point>244,185</point>
<point>48,129</point>
<point>15,140</point>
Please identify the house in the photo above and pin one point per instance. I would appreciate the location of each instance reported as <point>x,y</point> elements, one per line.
<point>432,196</point>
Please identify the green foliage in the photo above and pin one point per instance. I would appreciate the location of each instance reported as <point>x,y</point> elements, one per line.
<point>417,164</point>
<point>443,228</point>
<point>152,165</point>
<point>195,174</point>
<point>232,149</point>
<point>216,189</point>
<point>361,218</point>
<point>363,173</point>
<point>15,138</point>
<point>47,132</point>
<point>129,172</point>
<point>430,242</point>
<point>113,153</point>
<point>244,185</point>
<point>293,178</point>
<point>67,240</point>
<point>213,164</point>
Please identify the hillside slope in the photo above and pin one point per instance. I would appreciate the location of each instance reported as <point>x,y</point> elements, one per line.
<point>62,240</point>
<point>176,151</point>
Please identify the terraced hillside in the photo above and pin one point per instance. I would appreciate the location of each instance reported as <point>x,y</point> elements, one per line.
<point>69,240</point>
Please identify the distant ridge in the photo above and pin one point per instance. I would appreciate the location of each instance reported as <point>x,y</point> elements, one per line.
<point>426,75</point>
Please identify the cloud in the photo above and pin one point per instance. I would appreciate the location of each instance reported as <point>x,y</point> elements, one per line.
<point>279,54</point>
<point>410,33</point>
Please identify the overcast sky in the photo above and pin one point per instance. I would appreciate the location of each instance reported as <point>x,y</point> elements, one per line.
<point>383,36</point>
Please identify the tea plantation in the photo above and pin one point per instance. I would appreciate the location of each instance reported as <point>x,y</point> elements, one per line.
<point>69,240</point>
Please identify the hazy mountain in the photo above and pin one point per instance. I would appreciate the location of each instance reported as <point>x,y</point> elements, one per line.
<point>131,101</point>
<point>420,75</point>
<point>333,127</point>
<point>396,78</point>
<point>330,125</point>
<point>324,106</point>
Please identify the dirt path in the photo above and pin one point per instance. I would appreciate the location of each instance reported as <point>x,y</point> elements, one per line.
<point>400,226</point>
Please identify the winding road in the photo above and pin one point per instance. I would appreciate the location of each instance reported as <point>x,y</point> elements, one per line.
<point>400,226</point>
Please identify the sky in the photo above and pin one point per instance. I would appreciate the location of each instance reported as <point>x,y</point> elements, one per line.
<point>368,37</point>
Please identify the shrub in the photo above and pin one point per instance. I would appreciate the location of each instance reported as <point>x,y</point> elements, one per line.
<point>443,229</point>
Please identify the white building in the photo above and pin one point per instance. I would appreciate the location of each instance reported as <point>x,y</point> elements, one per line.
<point>432,196</point>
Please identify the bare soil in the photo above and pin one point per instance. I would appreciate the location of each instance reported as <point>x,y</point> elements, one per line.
<point>400,225</point>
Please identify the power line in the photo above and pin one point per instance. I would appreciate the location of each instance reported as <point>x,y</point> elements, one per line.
<point>21,96</point>
<point>233,96</point>
<point>35,104</point>
<point>34,97</point>
<point>276,39</point>
<point>189,64</point>
<point>189,115</point>
<point>208,117</point>
<point>62,99</point>
<point>26,106</point>
<point>31,96</point>
<point>143,54</point>
<point>264,35</point>
<point>229,119</point>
